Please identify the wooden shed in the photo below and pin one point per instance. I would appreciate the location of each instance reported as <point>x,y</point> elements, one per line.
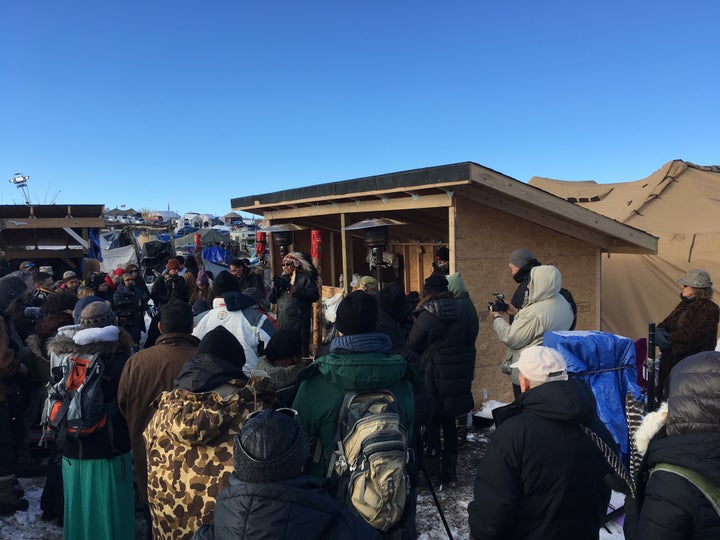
<point>481,215</point>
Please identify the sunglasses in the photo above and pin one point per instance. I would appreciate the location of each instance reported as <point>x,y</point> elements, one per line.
<point>292,413</point>
<point>288,264</point>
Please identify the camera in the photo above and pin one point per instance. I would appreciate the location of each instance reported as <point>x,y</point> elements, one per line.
<point>498,305</point>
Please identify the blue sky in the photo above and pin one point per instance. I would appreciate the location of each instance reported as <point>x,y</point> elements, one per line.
<point>189,104</point>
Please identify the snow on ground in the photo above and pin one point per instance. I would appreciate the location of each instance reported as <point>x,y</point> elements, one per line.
<point>453,501</point>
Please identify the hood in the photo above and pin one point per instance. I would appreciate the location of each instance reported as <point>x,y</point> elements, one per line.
<point>694,403</point>
<point>204,372</point>
<point>73,339</point>
<point>697,451</point>
<point>544,282</point>
<point>445,308</point>
<point>359,371</point>
<point>456,285</point>
<point>568,401</point>
<point>199,418</point>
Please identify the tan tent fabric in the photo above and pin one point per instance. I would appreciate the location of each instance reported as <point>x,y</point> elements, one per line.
<point>680,203</point>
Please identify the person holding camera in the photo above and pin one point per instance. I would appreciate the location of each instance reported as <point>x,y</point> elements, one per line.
<point>544,310</point>
<point>169,285</point>
<point>294,292</point>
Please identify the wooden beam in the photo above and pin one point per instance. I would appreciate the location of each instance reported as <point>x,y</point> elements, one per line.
<point>50,223</point>
<point>43,253</point>
<point>405,203</point>
<point>377,192</point>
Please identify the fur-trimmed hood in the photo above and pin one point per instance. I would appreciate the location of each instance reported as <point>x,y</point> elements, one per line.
<point>105,340</point>
<point>651,425</point>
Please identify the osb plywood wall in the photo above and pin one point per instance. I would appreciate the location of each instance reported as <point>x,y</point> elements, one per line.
<point>485,239</point>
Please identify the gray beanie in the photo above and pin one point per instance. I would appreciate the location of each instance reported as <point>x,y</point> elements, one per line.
<point>520,257</point>
<point>97,315</point>
<point>271,447</point>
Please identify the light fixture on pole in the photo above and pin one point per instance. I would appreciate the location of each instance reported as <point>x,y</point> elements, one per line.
<point>282,235</point>
<point>375,234</point>
<point>20,182</point>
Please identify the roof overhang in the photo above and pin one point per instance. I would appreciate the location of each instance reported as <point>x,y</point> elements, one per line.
<point>421,198</point>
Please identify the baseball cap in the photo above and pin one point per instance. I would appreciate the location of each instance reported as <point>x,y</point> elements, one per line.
<point>541,364</point>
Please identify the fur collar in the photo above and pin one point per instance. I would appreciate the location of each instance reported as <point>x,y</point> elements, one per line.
<point>90,340</point>
<point>651,424</point>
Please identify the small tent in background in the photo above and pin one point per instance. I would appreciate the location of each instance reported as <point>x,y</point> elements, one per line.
<point>680,204</point>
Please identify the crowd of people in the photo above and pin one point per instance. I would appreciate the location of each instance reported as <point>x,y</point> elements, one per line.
<point>193,401</point>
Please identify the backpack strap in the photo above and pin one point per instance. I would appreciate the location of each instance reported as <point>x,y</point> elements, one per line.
<point>710,490</point>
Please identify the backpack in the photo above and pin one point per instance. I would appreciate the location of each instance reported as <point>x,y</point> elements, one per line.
<point>369,465</point>
<point>75,403</point>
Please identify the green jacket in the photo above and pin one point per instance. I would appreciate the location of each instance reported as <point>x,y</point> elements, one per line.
<point>323,385</point>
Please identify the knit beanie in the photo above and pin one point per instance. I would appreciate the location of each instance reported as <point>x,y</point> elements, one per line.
<point>82,303</point>
<point>221,343</point>
<point>443,254</point>
<point>285,343</point>
<point>97,315</point>
<point>435,284</point>
<point>225,282</point>
<point>520,257</point>
<point>10,288</point>
<point>68,275</point>
<point>271,447</point>
<point>357,314</point>
<point>172,264</point>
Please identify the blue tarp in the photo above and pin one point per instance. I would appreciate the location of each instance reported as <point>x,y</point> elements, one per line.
<point>607,363</point>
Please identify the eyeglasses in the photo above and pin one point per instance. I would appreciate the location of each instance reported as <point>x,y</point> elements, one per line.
<point>292,413</point>
<point>287,264</point>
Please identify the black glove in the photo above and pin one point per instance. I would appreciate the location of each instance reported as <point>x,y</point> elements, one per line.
<point>662,339</point>
<point>281,282</point>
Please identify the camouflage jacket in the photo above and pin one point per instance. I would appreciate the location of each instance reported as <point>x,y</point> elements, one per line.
<point>190,451</point>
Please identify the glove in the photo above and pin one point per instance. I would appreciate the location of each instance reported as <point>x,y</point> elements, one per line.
<point>281,282</point>
<point>662,339</point>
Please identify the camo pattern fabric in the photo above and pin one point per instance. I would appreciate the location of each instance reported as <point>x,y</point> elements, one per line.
<point>190,451</point>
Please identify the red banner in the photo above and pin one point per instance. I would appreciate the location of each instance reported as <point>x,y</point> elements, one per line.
<point>316,239</point>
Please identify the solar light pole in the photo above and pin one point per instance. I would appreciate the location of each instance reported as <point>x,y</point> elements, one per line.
<point>20,182</point>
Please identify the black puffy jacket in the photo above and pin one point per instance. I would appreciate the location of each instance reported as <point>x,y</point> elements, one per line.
<point>542,477</point>
<point>296,508</point>
<point>443,337</point>
<point>671,506</point>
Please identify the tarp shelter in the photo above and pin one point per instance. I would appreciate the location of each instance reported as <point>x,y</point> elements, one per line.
<point>679,203</point>
<point>481,215</point>
<point>207,236</point>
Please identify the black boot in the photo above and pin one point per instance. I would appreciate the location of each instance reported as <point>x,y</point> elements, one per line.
<point>448,473</point>
<point>431,468</point>
<point>9,502</point>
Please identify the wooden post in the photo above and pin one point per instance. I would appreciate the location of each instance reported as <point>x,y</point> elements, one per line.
<point>316,254</point>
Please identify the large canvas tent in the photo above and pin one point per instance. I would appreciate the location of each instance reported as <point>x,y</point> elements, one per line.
<point>679,203</point>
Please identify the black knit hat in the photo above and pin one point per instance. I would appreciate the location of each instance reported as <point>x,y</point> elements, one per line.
<point>435,284</point>
<point>97,315</point>
<point>221,343</point>
<point>357,314</point>
<point>443,254</point>
<point>271,447</point>
<point>225,282</point>
<point>11,287</point>
<point>285,343</point>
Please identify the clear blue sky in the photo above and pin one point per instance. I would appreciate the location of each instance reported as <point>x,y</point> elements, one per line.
<point>190,103</point>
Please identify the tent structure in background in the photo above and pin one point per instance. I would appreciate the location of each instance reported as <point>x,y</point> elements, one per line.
<point>680,204</point>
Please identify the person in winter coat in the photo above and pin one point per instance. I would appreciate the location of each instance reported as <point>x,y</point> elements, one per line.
<point>249,276</point>
<point>294,292</point>
<point>359,359</point>
<point>684,432</point>
<point>544,310</point>
<point>522,261</point>
<point>269,497</point>
<point>98,491</point>
<point>11,289</point>
<point>129,303</point>
<point>542,477</point>
<point>690,328</point>
<point>443,337</point>
<point>241,315</point>
<point>283,363</point>
<point>169,285</point>
<point>150,372</point>
<point>189,439</point>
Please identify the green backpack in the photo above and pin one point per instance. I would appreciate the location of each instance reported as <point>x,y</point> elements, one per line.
<point>369,464</point>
